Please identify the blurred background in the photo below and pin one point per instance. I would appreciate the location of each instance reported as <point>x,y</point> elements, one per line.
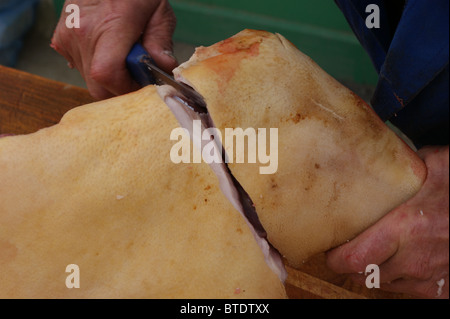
<point>316,27</point>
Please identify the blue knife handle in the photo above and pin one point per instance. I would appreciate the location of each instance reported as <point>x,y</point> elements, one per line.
<point>138,69</point>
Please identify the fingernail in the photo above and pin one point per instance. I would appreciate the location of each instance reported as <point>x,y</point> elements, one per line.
<point>169,54</point>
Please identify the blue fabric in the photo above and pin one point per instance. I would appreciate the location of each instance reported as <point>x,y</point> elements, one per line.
<point>411,58</point>
<point>16,18</point>
<point>9,54</point>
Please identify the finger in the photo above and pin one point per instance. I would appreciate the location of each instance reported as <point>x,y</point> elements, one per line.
<point>387,271</point>
<point>412,287</point>
<point>76,60</point>
<point>110,43</point>
<point>64,45</point>
<point>410,262</point>
<point>61,46</point>
<point>435,157</point>
<point>97,91</point>
<point>83,62</point>
<point>418,288</point>
<point>374,246</point>
<point>95,88</point>
<point>424,152</point>
<point>108,65</point>
<point>394,269</point>
<point>157,38</point>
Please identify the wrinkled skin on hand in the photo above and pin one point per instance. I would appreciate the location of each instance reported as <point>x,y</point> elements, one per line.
<point>108,30</point>
<point>411,243</point>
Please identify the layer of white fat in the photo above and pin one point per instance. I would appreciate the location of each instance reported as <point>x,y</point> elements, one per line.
<point>186,117</point>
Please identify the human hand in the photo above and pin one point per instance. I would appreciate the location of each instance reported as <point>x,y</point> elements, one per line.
<point>411,243</point>
<point>108,30</point>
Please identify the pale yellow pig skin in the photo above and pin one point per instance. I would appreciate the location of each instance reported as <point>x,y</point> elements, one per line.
<point>340,169</point>
<point>100,191</point>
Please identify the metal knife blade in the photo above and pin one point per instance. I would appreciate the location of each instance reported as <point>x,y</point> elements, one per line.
<point>145,71</point>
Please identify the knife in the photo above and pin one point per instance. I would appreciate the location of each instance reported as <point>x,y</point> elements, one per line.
<point>145,72</point>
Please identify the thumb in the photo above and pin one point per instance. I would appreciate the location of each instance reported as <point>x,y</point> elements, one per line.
<point>157,38</point>
<point>162,52</point>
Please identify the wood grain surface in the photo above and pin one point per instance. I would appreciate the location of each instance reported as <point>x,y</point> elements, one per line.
<point>29,103</point>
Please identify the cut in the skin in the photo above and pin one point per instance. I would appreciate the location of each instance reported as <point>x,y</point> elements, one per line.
<point>99,190</point>
<point>229,186</point>
<point>340,169</point>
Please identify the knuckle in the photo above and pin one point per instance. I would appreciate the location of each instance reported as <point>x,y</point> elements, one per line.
<point>97,91</point>
<point>99,73</point>
<point>356,261</point>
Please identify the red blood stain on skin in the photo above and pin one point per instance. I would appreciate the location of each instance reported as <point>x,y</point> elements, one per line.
<point>232,52</point>
<point>240,45</point>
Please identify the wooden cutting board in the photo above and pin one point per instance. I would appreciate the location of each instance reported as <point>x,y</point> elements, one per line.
<point>29,103</point>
